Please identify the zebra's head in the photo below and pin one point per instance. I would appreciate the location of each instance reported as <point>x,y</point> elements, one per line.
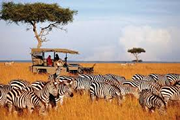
<point>135,92</point>
<point>73,84</point>
<point>68,90</point>
<point>52,87</point>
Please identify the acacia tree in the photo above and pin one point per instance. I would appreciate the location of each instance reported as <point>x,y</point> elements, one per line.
<point>136,52</point>
<point>37,13</point>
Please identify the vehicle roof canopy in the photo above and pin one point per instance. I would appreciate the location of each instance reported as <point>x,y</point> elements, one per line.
<point>35,50</point>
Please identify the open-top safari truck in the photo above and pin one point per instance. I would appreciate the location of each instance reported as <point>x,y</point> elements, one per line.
<point>39,61</point>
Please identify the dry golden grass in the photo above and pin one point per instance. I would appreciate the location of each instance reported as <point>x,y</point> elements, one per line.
<point>80,107</point>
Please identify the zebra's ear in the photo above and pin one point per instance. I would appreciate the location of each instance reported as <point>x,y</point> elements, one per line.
<point>117,93</point>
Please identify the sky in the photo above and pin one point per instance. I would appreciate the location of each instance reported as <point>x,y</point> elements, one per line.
<point>103,30</point>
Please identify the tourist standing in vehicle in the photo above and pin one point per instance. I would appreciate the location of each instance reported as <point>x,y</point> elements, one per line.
<point>56,58</point>
<point>49,61</point>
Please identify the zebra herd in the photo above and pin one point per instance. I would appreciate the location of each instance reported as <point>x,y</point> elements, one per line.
<point>41,95</point>
<point>153,91</point>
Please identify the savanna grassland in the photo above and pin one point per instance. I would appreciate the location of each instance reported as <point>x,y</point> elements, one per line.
<point>80,107</point>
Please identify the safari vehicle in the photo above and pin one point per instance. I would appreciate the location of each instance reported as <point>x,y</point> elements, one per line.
<point>39,61</point>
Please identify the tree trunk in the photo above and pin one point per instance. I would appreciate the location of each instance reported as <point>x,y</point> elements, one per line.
<point>37,36</point>
<point>136,56</point>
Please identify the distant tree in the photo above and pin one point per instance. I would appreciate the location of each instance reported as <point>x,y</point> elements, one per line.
<point>136,52</point>
<point>35,13</point>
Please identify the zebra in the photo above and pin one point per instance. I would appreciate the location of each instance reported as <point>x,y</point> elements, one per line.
<point>49,88</point>
<point>38,86</point>
<point>125,90</point>
<point>153,87</point>
<point>11,95</point>
<point>21,99</point>
<point>160,79</point>
<point>172,77</point>
<point>113,77</point>
<point>170,93</point>
<point>64,90</point>
<point>4,89</point>
<point>132,83</point>
<point>141,85</point>
<point>154,76</point>
<point>81,85</point>
<point>142,77</point>
<point>98,78</point>
<point>150,101</point>
<point>106,91</point>
<point>19,84</point>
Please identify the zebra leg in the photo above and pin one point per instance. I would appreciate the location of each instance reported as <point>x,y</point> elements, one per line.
<point>10,107</point>
<point>162,111</point>
<point>123,97</point>
<point>30,109</point>
<point>146,109</point>
<point>93,97</point>
<point>81,92</point>
<point>42,111</point>
<point>152,110</point>
<point>119,100</point>
<point>46,106</point>
<point>61,100</point>
<point>108,99</point>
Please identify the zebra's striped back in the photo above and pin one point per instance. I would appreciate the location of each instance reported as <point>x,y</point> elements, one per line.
<point>162,80</point>
<point>81,84</point>
<point>142,77</point>
<point>141,85</point>
<point>19,84</point>
<point>132,83</point>
<point>113,78</point>
<point>97,78</point>
<point>38,85</point>
<point>137,77</point>
<point>152,86</point>
<point>125,90</point>
<point>106,91</point>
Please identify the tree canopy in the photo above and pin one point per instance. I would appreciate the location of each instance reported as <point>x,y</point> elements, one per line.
<point>136,52</point>
<point>37,13</point>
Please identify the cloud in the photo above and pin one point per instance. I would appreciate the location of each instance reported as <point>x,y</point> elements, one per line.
<point>158,42</point>
<point>103,53</point>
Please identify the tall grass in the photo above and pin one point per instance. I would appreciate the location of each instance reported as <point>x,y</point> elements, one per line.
<point>80,107</point>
